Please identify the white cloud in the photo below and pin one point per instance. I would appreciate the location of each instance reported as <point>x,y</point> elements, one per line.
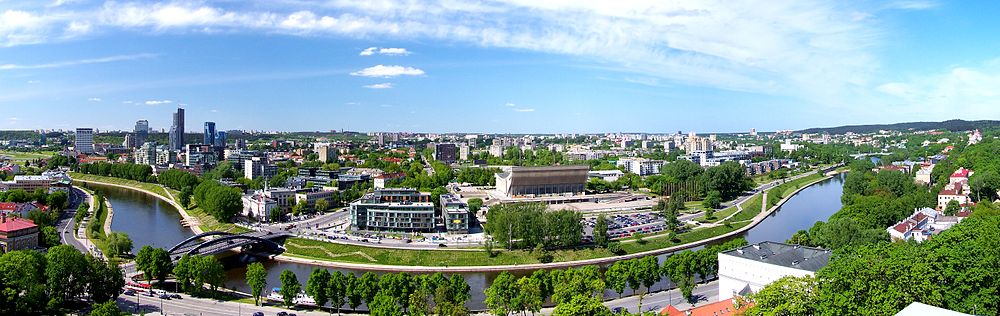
<point>126,102</point>
<point>780,48</point>
<point>524,110</point>
<point>970,91</point>
<point>381,71</point>
<point>69,63</point>
<point>94,99</point>
<point>214,111</point>
<point>387,85</point>
<point>33,81</point>
<point>388,51</point>
<point>158,102</point>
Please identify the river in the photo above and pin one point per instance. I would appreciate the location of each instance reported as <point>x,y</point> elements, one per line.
<point>150,221</point>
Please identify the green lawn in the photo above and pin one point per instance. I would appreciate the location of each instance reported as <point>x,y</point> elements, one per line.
<point>720,214</point>
<point>151,187</point>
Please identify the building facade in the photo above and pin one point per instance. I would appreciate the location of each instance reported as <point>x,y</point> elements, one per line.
<point>84,140</point>
<point>17,234</point>
<point>446,153</point>
<point>641,166</point>
<point>176,140</point>
<point>401,210</point>
<point>535,181</point>
<point>209,134</point>
<point>141,132</point>
<point>456,214</point>
<point>258,167</point>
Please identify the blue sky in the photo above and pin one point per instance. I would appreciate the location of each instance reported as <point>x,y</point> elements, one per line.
<point>497,66</point>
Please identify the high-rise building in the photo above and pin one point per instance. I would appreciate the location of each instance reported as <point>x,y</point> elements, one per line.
<point>463,152</point>
<point>177,131</point>
<point>447,153</point>
<point>130,141</point>
<point>209,138</point>
<point>141,132</point>
<point>258,167</point>
<point>327,153</point>
<point>220,139</point>
<point>84,140</point>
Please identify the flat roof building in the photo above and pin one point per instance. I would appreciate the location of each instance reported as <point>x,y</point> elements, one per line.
<point>455,213</point>
<point>402,210</point>
<point>446,153</point>
<point>535,181</point>
<point>748,269</point>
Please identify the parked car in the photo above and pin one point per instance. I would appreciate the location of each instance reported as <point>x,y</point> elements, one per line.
<point>258,313</point>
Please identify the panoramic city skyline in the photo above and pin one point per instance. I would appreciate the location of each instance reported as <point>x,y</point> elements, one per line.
<point>507,67</point>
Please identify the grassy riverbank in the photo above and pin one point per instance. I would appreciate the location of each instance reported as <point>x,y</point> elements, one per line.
<point>204,221</point>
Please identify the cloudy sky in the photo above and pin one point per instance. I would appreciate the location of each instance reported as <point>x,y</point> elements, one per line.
<point>497,66</point>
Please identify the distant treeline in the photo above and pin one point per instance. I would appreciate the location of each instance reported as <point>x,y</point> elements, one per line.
<point>950,125</point>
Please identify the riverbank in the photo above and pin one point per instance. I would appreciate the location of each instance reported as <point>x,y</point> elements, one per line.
<point>147,188</point>
<point>322,253</point>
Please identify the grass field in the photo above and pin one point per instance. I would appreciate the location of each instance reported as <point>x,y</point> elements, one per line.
<point>20,157</point>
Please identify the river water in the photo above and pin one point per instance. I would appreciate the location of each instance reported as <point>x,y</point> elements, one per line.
<point>149,221</point>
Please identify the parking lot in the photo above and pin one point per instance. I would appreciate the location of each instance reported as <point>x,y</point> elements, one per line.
<point>625,225</point>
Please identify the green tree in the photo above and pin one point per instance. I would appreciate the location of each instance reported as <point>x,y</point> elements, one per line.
<point>154,263</point>
<point>617,276</point>
<point>118,243</point>
<point>529,294</point>
<point>712,201</point>
<point>185,196</point>
<point>322,205</point>
<point>680,268</point>
<point>67,272</point>
<point>501,293</point>
<point>354,292</point>
<point>105,280</point>
<point>23,283</point>
<point>257,280</point>
<point>316,286</point>
<point>582,305</point>
<point>952,208</point>
<point>337,290</point>
<point>475,204</point>
<point>108,308</point>
<point>384,305</point>
<point>647,272</point>
<point>787,296</point>
<point>290,287</point>
<point>49,236</point>
<point>601,237</point>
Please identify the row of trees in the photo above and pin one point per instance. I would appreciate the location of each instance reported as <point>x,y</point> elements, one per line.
<point>129,171</point>
<point>579,291</point>
<point>478,176</point>
<point>177,179</point>
<point>32,283</point>
<point>388,294</point>
<point>529,225</point>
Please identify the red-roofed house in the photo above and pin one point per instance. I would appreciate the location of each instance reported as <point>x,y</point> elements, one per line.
<point>960,175</point>
<point>17,233</point>
<point>720,308</point>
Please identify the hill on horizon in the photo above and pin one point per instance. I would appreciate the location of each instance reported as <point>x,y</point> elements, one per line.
<point>950,125</point>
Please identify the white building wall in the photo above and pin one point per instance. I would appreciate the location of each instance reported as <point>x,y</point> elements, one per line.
<point>736,272</point>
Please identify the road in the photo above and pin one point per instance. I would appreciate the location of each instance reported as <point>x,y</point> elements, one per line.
<point>704,293</point>
<point>66,223</point>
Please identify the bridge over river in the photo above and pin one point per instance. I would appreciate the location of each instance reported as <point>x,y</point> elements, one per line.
<point>211,243</point>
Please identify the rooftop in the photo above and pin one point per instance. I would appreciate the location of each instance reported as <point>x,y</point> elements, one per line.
<point>917,308</point>
<point>11,224</point>
<point>723,307</point>
<point>786,255</point>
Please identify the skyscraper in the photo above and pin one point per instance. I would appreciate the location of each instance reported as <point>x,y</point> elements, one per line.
<point>220,139</point>
<point>141,131</point>
<point>209,138</point>
<point>177,131</point>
